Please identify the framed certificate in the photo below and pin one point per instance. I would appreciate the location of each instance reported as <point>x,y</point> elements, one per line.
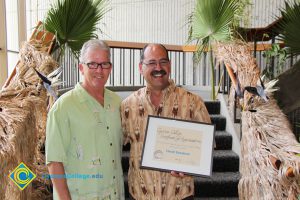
<point>178,145</point>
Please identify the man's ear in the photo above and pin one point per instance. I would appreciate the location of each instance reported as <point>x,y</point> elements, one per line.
<point>81,68</point>
<point>141,68</point>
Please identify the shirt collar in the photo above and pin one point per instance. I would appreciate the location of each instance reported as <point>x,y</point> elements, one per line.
<point>166,92</point>
<point>83,95</point>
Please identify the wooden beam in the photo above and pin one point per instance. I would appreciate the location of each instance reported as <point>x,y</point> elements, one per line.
<point>139,45</point>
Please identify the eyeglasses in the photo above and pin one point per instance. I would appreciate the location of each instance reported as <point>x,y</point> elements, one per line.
<point>162,63</point>
<point>103,65</point>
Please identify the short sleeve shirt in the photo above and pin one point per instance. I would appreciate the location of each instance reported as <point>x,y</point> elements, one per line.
<point>86,137</point>
<point>176,103</point>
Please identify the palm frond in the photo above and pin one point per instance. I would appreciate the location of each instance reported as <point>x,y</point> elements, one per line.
<point>212,20</point>
<point>74,21</point>
<point>289,28</point>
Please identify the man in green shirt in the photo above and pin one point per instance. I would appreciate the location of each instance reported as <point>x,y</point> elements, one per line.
<point>83,135</point>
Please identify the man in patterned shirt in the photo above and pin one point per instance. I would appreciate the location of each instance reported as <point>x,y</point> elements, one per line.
<point>161,98</point>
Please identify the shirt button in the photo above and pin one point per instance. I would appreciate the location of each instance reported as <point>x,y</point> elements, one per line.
<point>107,127</point>
<point>113,161</point>
<point>114,177</point>
<point>110,144</point>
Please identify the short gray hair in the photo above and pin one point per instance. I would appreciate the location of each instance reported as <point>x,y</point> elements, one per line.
<point>92,44</point>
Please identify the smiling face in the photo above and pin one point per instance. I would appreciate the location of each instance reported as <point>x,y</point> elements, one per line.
<point>95,79</point>
<point>155,67</point>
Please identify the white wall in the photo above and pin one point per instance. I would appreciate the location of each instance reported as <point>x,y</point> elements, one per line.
<point>165,21</point>
<point>161,21</point>
<point>264,12</point>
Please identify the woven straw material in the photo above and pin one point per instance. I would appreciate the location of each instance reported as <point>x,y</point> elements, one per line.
<point>269,166</point>
<point>23,112</point>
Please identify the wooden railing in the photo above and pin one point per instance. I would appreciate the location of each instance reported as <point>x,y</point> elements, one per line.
<point>126,56</point>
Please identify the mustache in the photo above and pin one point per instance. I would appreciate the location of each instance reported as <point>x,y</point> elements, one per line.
<point>160,72</point>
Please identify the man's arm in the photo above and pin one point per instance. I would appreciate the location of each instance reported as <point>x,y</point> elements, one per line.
<point>124,110</point>
<point>59,180</point>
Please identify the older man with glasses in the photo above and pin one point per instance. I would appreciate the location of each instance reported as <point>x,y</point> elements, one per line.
<point>162,98</point>
<point>83,136</point>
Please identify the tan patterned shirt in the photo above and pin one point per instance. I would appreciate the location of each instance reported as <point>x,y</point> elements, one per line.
<point>176,103</point>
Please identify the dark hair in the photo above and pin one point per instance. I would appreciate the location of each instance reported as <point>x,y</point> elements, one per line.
<point>145,47</point>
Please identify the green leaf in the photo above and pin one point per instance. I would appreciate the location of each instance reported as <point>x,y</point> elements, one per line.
<point>289,28</point>
<point>212,21</point>
<point>74,22</point>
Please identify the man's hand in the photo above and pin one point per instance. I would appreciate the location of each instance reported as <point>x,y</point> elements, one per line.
<point>177,174</point>
<point>56,169</point>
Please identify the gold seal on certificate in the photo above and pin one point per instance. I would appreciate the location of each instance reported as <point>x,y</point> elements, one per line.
<point>178,145</point>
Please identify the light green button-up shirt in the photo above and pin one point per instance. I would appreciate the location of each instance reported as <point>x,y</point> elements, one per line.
<point>87,139</point>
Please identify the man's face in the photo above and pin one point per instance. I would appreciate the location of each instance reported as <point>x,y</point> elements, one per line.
<point>156,67</point>
<point>95,78</point>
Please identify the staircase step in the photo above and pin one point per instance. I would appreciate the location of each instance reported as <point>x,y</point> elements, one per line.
<point>223,140</point>
<point>225,161</point>
<point>126,185</point>
<point>219,158</point>
<point>219,121</point>
<point>220,184</point>
<point>213,107</point>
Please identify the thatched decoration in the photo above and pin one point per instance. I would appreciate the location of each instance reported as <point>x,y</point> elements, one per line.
<point>245,68</point>
<point>23,112</point>
<point>269,166</point>
<point>26,79</point>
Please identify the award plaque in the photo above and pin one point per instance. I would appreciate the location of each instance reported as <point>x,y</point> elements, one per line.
<point>178,145</point>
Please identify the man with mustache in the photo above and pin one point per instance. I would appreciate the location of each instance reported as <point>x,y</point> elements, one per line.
<point>162,98</point>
